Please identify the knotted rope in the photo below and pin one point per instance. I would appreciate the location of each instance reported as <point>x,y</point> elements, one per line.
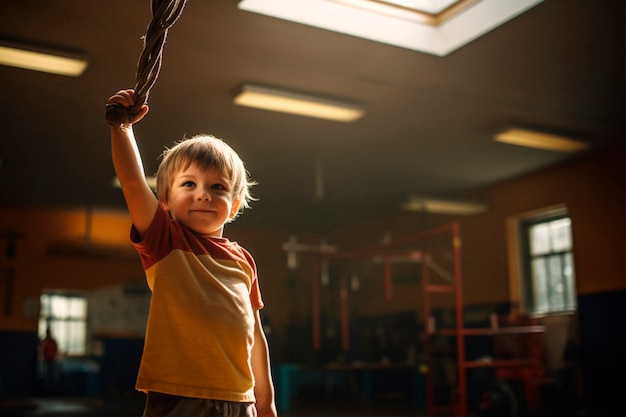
<point>164,14</point>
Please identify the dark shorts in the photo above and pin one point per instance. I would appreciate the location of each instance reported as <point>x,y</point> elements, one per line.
<point>165,405</point>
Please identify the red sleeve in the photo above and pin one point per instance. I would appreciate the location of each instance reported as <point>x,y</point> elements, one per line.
<point>255,292</point>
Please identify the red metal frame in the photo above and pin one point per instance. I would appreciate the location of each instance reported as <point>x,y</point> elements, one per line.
<point>459,406</point>
<point>387,254</point>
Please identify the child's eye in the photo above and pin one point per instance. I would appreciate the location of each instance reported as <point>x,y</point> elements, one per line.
<point>218,187</point>
<point>188,184</point>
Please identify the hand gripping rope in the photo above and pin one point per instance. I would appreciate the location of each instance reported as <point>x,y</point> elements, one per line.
<point>164,14</point>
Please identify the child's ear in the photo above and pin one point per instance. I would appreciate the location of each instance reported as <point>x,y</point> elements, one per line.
<point>165,205</point>
<point>234,209</point>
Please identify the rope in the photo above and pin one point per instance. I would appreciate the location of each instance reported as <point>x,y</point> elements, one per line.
<point>164,14</point>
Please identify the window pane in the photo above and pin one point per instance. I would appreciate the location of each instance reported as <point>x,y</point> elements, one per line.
<point>540,285</point>
<point>43,325</point>
<point>548,263</point>
<point>45,305</point>
<point>58,306</point>
<point>539,239</point>
<point>556,283</point>
<point>66,316</point>
<point>569,282</point>
<point>560,234</point>
<point>77,308</point>
<point>76,334</point>
<point>59,332</point>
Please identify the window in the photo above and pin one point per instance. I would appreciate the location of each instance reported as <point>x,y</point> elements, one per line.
<point>66,317</point>
<point>548,280</point>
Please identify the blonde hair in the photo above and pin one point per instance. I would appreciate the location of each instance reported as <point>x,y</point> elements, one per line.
<point>206,152</point>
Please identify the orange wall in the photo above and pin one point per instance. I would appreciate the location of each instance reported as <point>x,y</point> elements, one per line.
<point>37,269</point>
<point>593,188</point>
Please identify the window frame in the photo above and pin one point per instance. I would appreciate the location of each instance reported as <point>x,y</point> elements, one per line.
<point>47,319</point>
<point>520,270</point>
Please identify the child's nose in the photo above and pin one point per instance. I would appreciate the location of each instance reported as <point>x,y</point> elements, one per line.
<point>204,196</point>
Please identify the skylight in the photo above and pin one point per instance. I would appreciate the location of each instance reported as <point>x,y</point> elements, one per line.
<point>433,12</point>
<point>451,25</point>
<point>425,6</point>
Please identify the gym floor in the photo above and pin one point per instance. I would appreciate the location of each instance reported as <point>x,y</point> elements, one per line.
<point>131,405</point>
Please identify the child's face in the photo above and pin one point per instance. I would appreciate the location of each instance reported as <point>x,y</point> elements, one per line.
<point>201,200</point>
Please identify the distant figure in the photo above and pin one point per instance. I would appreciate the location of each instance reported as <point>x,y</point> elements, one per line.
<point>48,354</point>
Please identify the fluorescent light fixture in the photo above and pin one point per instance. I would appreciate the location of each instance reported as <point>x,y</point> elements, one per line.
<point>444,206</point>
<point>40,59</point>
<point>274,99</point>
<point>540,140</point>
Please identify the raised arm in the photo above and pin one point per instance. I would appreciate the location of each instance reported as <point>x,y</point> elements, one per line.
<point>140,199</point>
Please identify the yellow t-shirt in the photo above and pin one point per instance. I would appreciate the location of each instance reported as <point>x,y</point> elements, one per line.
<point>200,327</point>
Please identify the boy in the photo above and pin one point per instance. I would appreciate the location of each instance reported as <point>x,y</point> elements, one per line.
<point>205,352</point>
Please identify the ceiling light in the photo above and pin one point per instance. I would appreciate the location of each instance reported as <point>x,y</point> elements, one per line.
<point>40,59</point>
<point>540,140</point>
<point>270,98</point>
<point>444,206</point>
